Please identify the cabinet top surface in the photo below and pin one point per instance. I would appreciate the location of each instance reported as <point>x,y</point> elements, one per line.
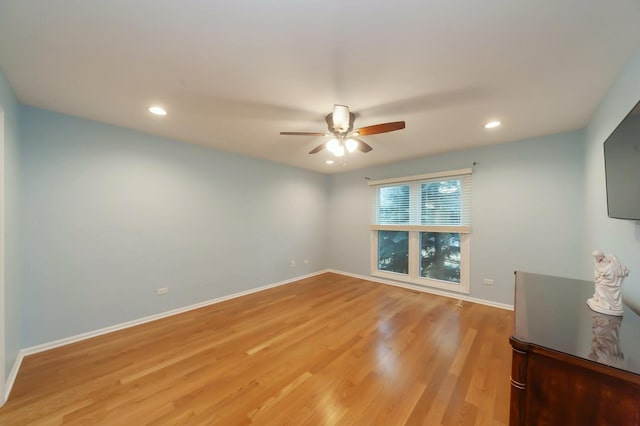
<point>552,312</point>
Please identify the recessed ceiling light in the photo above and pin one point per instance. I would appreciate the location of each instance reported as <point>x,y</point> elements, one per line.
<point>329,161</point>
<point>492,124</point>
<point>157,110</point>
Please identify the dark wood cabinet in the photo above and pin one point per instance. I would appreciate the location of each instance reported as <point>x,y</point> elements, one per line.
<point>572,366</point>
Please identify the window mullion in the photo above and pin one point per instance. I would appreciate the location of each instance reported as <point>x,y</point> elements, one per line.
<point>414,248</point>
<point>414,219</point>
<point>414,203</point>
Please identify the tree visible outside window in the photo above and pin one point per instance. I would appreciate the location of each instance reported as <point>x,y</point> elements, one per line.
<point>440,256</point>
<point>393,251</point>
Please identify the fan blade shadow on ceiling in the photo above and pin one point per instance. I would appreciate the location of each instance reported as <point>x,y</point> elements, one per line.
<point>443,99</point>
<point>248,109</point>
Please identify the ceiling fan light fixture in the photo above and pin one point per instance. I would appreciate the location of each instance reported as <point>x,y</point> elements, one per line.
<point>351,145</point>
<point>332,145</point>
<point>340,118</point>
<point>343,137</point>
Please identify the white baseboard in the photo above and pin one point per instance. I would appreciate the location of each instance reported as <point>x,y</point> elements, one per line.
<point>88,335</point>
<point>426,290</point>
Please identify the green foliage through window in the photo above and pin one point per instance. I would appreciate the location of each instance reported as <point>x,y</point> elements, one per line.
<point>393,251</point>
<point>440,256</point>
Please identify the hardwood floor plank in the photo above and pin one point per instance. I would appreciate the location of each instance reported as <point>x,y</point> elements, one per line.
<point>325,350</point>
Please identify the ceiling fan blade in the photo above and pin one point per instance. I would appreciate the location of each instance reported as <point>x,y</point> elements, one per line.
<point>317,149</point>
<point>380,128</point>
<point>303,134</point>
<point>363,146</point>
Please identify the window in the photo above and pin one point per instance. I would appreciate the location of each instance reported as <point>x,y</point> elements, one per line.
<point>393,251</point>
<point>420,229</point>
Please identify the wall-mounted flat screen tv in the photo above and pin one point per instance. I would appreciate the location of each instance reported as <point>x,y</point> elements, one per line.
<point>622,168</point>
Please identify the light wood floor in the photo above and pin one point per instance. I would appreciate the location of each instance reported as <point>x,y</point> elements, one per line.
<point>328,350</point>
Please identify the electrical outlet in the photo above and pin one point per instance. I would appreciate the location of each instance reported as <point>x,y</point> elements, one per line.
<point>161,291</point>
<point>487,281</point>
<point>293,263</point>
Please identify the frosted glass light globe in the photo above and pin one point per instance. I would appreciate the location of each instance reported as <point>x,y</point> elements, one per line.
<point>333,145</point>
<point>351,145</point>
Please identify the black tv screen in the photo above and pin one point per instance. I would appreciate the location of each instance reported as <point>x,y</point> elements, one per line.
<point>622,168</point>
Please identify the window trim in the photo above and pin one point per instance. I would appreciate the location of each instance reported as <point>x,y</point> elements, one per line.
<point>421,228</point>
<point>450,173</point>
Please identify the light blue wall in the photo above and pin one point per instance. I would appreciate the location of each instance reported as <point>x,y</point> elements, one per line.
<point>621,237</point>
<point>13,299</point>
<point>110,215</point>
<point>526,207</point>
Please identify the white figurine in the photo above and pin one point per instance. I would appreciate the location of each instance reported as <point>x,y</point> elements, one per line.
<point>609,274</point>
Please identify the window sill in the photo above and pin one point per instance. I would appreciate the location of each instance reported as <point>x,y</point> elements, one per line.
<point>424,282</point>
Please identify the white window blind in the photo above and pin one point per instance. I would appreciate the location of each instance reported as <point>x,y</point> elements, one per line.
<point>436,202</point>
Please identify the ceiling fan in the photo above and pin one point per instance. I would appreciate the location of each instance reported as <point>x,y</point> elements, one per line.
<point>340,123</point>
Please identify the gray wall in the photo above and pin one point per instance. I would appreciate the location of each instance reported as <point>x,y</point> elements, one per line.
<point>526,208</point>
<point>618,236</point>
<point>110,215</point>
<point>13,300</point>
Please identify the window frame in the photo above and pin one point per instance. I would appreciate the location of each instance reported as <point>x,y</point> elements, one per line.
<point>413,276</point>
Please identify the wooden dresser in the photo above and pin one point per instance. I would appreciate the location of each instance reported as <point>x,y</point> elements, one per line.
<point>572,366</point>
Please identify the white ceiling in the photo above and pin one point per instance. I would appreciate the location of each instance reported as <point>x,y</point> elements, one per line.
<point>233,74</point>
